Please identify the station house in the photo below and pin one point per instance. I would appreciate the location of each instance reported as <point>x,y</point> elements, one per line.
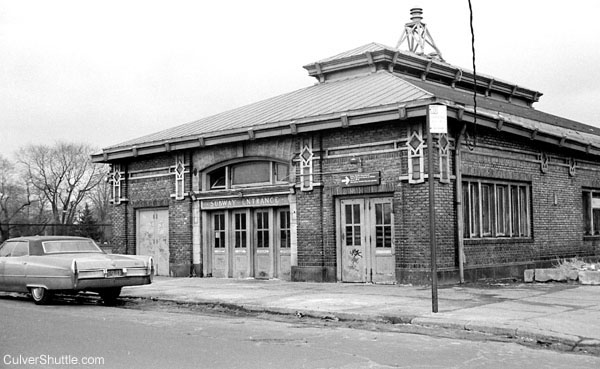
<point>331,183</point>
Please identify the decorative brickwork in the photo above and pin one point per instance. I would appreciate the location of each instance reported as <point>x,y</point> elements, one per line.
<point>556,178</point>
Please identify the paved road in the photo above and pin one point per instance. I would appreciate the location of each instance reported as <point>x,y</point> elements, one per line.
<point>113,337</point>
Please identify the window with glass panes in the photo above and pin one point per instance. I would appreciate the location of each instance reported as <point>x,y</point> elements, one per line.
<point>591,212</point>
<point>248,174</point>
<point>262,229</point>
<point>383,225</point>
<point>219,227</point>
<point>496,209</point>
<point>353,226</point>
<point>284,229</point>
<point>239,230</point>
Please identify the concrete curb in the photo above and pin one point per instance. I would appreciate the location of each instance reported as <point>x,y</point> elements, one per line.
<point>512,331</point>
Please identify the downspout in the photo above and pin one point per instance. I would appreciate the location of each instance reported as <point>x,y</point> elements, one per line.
<point>323,237</point>
<point>459,206</point>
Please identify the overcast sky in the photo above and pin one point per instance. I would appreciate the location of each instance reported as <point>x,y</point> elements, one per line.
<point>107,71</point>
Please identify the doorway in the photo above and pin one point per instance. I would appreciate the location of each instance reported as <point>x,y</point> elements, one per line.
<point>250,242</point>
<point>152,237</point>
<point>366,251</point>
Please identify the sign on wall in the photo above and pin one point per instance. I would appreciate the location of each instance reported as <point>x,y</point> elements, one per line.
<point>244,202</point>
<point>361,179</point>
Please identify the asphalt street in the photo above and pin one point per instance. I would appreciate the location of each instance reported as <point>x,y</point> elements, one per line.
<point>114,337</point>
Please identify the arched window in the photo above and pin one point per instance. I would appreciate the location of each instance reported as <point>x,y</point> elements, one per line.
<point>247,174</point>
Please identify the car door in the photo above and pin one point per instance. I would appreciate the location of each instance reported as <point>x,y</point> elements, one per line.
<point>5,251</point>
<point>14,267</point>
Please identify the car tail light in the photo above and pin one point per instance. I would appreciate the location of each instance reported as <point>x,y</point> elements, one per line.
<point>74,267</point>
<point>75,271</point>
<point>151,266</point>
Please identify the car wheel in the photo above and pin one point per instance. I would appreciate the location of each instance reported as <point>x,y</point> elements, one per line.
<point>110,295</point>
<point>40,295</point>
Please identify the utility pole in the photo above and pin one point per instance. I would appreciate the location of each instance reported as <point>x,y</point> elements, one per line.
<point>432,240</point>
<point>437,114</point>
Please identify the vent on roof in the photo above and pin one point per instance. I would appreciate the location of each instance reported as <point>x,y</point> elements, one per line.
<point>417,37</point>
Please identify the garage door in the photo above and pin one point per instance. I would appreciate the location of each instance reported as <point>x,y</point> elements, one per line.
<point>153,237</point>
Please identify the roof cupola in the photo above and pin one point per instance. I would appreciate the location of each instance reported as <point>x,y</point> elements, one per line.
<point>417,38</point>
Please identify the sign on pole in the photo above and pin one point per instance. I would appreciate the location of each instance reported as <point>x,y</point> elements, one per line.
<point>438,118</point>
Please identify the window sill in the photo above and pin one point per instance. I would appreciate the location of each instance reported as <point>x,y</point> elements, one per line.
<point>505,240</point>
<point>591,238</point>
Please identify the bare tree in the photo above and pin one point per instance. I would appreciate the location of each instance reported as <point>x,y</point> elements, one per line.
<point>14,197</point>
<point>100,196</point>
<point>63,174</point>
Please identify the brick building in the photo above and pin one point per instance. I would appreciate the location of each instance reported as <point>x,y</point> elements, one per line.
<point>330,182</point>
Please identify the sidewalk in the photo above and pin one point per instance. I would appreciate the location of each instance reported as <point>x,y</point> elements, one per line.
<point>561,315</point>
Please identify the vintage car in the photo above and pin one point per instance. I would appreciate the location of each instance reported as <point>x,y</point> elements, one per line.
<point>45,265</point>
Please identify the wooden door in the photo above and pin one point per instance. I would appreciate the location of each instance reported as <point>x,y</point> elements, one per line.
<point>240,243</point>
<point>283,255</point>
<point>263,244</point>
<point>353,241</point>
<point>381,241</point>
<point>219,245</point>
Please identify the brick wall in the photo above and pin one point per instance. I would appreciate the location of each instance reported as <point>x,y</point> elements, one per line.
<point>151,193</point>
<point>557,227</point>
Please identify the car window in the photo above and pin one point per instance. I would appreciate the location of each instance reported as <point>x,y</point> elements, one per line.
<point>21,249</point>
<point>70,246</point>
<point>6,248</point>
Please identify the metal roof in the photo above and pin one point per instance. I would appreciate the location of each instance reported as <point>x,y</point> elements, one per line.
<point>352,94</point>
<point>388,89</point>
<point>361,50</point>
<point>504,108</point>
<point>379,56</point>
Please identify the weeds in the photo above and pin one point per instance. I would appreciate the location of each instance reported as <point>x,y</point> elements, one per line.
<point>574,264</point>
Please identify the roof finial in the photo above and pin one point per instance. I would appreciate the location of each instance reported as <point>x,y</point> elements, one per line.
<point>417,36</point>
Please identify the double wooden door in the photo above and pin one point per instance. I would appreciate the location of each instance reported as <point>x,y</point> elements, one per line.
<point>366,240</point>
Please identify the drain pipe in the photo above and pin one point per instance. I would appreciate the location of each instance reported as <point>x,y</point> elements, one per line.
<point>459,204</point>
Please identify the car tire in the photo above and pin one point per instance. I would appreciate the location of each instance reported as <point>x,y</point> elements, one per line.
<point>40,295</point>
<point>110,295</point>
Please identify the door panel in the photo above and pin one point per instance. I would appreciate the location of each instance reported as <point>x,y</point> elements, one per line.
<point>241,256</point>
<point>283,258</point>
<point>367,241</point>
<point>353,241</point>
<point>153,237</point>
<point>262,243</point>
<point>382,243</point>
<point>15,267</point>
<point>5,252</point>
<point>219,252</point>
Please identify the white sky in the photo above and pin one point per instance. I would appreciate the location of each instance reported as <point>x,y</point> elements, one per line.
<point>107,71</point>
